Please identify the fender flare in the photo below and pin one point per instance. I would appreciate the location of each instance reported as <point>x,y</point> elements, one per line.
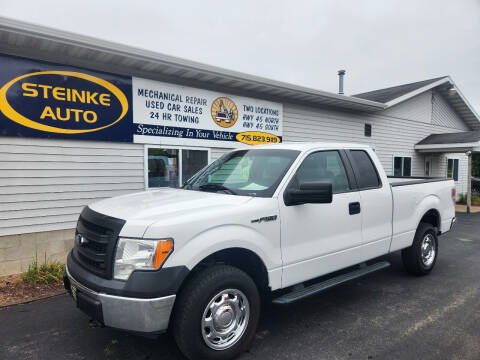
<point>429,203</point>
<point>225,237</point>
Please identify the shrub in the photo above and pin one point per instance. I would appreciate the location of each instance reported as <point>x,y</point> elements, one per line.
<point>462,199</point>
<point>475,199</point>
<point>46,273</point>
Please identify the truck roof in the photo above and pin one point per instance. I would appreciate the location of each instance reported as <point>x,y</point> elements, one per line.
<point>305,146</point>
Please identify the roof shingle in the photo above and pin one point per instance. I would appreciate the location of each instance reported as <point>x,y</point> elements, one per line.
<point>452,138</point>
<point>390,93</point>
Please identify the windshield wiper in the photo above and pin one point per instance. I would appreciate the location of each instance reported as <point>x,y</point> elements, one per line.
<point>216,187</point>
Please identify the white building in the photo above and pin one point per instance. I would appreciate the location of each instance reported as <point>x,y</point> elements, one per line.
<point>156,119</point>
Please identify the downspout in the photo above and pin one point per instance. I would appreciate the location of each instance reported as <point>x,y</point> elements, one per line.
<point>469,182</point>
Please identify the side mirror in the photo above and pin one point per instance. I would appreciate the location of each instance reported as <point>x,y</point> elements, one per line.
<point>309,193</point>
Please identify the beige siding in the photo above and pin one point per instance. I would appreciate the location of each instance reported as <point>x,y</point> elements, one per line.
<point>418,108</point>
<point>45,183</point>
<point>390,136</point>
<point>443,115</point>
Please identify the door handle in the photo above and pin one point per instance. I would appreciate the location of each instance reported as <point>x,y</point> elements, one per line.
<point>354,208</point>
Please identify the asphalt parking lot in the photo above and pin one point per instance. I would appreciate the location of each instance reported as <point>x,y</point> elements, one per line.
<point>386,315</point>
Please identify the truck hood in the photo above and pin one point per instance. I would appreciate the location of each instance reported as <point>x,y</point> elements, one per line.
<point>150,206</point>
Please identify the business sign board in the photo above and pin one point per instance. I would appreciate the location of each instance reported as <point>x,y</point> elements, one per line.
<point>40,99</point>
<point>172,114</point>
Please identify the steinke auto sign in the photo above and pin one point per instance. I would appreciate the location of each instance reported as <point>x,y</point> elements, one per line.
<point>54,101</point>
<point>39,99</point>
<point>65,110</point>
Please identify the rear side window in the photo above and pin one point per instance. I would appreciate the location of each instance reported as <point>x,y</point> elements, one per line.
<point>365,171</point>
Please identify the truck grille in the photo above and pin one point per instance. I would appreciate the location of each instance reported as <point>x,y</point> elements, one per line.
<point>95,240</point>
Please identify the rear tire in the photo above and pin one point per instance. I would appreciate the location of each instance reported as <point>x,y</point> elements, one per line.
<point>420,258</point>
<point>216,314</point>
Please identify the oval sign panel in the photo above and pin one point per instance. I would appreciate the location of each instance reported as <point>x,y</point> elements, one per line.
<point>65,102</point>
<point>257,138</point>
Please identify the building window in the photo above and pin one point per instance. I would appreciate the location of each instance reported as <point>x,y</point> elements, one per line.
<point>452,169</point>
<point>171,167</point>
<point>192,162</point>
<point>402,166</point>
<point>368,130</point>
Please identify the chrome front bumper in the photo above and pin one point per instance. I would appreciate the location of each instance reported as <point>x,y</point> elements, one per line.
<point>132,314</point>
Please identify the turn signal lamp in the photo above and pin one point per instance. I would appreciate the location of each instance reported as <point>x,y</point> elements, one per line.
<point>164,248</point>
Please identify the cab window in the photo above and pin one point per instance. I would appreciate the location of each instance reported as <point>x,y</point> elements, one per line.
<point>323,166</point>
<point>366,173</point>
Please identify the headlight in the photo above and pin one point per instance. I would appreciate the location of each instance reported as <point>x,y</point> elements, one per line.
<point>133,254</point>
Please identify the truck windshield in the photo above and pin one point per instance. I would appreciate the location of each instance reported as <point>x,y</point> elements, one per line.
<point>255,172</point>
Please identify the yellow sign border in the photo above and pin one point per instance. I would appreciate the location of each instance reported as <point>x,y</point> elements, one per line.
<point>13,115</point>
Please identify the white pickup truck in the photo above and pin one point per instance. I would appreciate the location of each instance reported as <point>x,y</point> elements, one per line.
<point>272,222</point>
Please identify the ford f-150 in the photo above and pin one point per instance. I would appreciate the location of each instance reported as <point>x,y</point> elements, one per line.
<point>277,222</point>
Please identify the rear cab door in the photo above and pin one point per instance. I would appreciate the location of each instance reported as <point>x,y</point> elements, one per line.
<point>375,201</point>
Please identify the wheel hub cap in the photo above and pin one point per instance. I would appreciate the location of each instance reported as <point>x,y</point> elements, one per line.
<point>428,250</point>
<point>225,319</point>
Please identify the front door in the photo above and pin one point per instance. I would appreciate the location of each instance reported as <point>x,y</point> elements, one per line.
<point>428,166</point>
<point>318,238</point>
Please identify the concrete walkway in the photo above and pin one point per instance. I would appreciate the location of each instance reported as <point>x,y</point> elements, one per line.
<point>463,208</point>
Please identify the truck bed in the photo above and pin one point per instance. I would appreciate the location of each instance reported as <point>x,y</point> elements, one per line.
<point>413,197</point>
<point>412,180</point>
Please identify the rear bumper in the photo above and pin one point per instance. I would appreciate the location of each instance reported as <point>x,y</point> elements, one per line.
<point>126,313</point>
<point>453,223</point>
<point>447,225</point>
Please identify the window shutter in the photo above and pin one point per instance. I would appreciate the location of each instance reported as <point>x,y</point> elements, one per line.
<point>455,169</point>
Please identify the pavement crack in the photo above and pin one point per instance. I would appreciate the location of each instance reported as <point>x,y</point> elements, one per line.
<point>465,240</point>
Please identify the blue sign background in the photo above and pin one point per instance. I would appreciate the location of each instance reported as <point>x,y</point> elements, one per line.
<point>32,107</point>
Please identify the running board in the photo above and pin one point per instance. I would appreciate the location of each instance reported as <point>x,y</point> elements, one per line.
<point>327,284</point>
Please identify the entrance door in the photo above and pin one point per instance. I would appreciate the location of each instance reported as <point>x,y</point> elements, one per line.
<point>428,166</point>
<point>318,238</point>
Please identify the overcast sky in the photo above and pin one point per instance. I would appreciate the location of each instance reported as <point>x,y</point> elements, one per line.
<point>379,43</point>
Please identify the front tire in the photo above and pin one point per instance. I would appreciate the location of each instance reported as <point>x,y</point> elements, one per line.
<point>420,258</point>
<point>216,314</point>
